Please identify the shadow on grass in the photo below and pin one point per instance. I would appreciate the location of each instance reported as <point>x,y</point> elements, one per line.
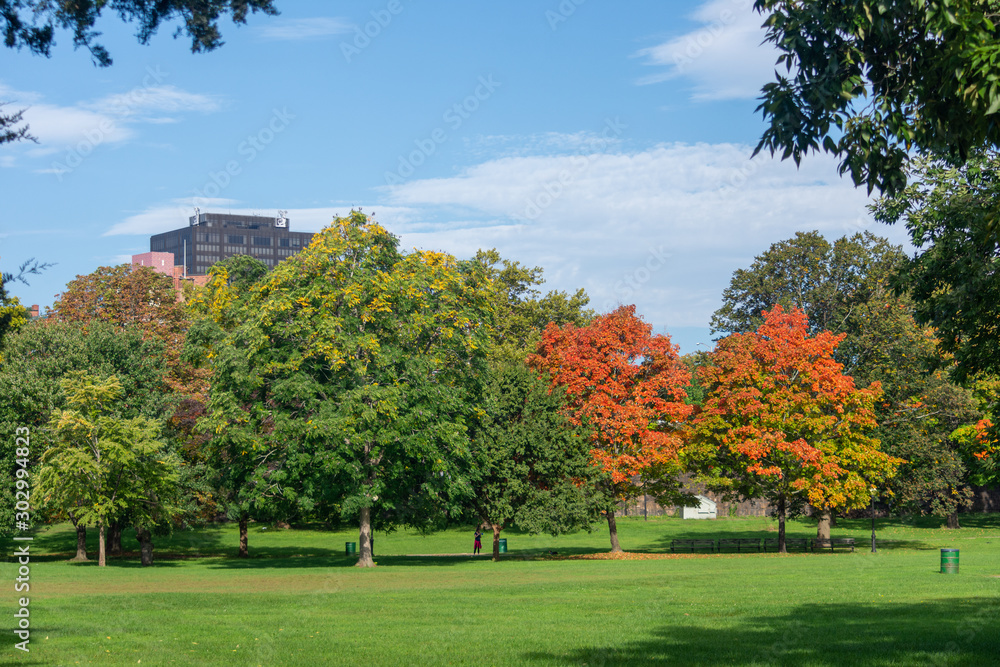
<point>340,560</point>
<point>16,656</point>
<point>662,545</point>
<point>959,631</point>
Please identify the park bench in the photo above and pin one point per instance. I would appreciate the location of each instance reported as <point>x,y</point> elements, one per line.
<point>833,543</point>
<point>691,545</point>
<point>740,544</point>
<point>791,543</point>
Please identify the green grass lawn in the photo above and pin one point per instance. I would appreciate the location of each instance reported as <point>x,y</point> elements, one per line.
<point>299,601</point>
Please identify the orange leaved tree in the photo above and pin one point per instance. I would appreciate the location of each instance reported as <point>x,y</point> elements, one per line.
<point>782,422</point>
<point>628,386</point>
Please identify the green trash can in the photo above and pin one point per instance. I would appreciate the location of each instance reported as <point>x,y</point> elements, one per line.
<point>949,561</point>
<point>351,548</point>
<point>503,545</point>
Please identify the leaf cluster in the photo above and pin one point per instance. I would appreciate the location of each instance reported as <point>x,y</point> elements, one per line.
<point>32,24</point>
<point>871,81</point>
<point>782,421</point>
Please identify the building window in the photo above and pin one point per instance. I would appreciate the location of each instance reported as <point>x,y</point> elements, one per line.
<point>234,238</point>
<point>284,242</point>
<point>214,237</point>
<point>262,240</point>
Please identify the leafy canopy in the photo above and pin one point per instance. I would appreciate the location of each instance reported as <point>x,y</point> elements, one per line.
<point>347,383</point>
<point>951,212</point>
<point>869,82</point>
<point>781,421</point>
<point>102,467</point>
<point>628,386</point>
<point>531,464</point>
<point>32,24</point>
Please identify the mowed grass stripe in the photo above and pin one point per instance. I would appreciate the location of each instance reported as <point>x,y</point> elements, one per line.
<point>891,608</point>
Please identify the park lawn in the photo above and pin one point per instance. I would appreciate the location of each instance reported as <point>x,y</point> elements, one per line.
<point>299,601</point>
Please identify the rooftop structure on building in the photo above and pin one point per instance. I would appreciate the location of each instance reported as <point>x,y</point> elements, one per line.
<point>212,237</point>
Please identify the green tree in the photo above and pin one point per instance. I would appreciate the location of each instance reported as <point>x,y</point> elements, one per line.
<point>10,128</point>
<point>870,82</point>
<point>138,297</point>
<point>847,287</point>
<point>918,421</point>
<point>12,314</point>
<point>41,353</point>
<point>951,212</point>
<point>240,489</point>
<point>843,287</point>
<point>781,421</point>
<point>350,378</point>
<point>32,24</point>
<point>520,312</point>
<point>101,466</point>
<point>531,464</point>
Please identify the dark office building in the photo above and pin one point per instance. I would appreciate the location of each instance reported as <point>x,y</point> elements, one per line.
<point>211,237</point>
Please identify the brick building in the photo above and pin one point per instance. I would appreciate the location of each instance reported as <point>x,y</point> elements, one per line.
<point>163,262</point>
<point>212,237</point>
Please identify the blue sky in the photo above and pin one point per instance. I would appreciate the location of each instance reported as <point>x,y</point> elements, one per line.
<point>607,142</point>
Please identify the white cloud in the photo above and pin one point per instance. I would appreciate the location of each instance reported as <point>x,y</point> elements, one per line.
<point>723,59</point>
<point>59,127</point>
<point>15,97</point>
<point>663,228</point>
<point>153,99</point>
<point>542,142</point>
<point>164,217</point>
<point>83,126</point>
<point>302,29</point>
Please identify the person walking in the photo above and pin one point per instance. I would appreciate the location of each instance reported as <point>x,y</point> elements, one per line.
<point>478,546</point>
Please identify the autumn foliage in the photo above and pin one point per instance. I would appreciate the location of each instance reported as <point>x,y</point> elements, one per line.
<point>783,422</point>
<point>627,385</point>
<point>138,297</point>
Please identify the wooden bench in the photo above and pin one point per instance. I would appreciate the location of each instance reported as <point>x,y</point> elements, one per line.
<point>740,544</point>
<point>791,543</point>
<point>833,543</point>
<point>691,545</point>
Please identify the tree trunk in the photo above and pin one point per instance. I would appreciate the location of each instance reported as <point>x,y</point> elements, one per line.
<point>952,520</point>
<point>613,530</point>
<point>101,560</point>
<point>496,540</point>
<point>244,547</point>
<point>145,545</point>
<point>81,541</point>
<point>115,538</point>
<point>781,524</point>
<point>823,527</point>
<point>364,539</point>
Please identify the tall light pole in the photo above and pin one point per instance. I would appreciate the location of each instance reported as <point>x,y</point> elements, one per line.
<point>874,549</point>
